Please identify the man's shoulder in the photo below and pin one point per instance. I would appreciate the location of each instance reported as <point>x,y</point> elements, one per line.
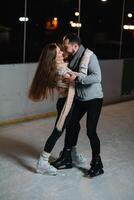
<point>88,52</point>
<point>88,55</point>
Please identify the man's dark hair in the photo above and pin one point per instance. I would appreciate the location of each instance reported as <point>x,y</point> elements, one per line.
<point>73,38</point>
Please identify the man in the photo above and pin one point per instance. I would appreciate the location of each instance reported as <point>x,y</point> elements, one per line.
<point>89,99</point>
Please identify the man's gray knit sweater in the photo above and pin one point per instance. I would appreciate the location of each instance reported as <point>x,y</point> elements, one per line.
<point>87,87</point>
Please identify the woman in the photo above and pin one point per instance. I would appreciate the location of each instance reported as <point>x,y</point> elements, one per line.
<point>50,73</point>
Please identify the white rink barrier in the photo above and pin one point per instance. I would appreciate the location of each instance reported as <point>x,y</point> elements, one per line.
<point>15,80</point>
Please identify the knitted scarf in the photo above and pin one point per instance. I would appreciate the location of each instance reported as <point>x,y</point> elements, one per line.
<point>83,68</point>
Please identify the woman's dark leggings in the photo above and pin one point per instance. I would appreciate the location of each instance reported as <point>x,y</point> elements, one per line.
<point>51,141</point>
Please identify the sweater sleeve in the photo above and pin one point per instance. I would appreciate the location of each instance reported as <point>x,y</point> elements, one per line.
<point>94,73</point>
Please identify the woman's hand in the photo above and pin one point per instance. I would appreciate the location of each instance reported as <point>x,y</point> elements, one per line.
<point>69,77</point>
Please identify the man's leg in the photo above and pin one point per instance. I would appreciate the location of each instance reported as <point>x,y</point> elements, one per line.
<point>93,112</point>
<point>77,158</point>
<point>74,139</point>
<point>72,126</point>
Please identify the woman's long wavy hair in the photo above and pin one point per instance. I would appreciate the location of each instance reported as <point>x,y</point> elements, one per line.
<point>44,80</point>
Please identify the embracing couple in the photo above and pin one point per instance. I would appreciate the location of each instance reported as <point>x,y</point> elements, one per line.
<point>78,82</point>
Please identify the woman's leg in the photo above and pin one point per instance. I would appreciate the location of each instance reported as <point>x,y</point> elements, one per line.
<point>51,141</point>
<point>43,165</point>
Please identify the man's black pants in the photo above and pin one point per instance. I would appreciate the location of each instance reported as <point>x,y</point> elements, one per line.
<point>92,108</point>
<point>72,124</point>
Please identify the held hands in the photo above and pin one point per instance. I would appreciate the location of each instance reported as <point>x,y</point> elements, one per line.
<point>69,77</point>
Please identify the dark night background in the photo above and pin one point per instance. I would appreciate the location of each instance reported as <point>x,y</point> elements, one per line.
<point>100,31</point>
